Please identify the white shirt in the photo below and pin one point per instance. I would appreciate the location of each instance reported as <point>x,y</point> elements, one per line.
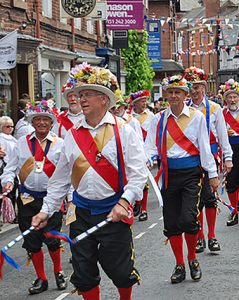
<point>74,118</point>
<point>21,152</point>
<point>7,143</point>
<point>134,123</point>
<point>218,127</point>
<point>92,186</point>
<point>146,124</point>
<point>22,128</point>
<point>196,132</point>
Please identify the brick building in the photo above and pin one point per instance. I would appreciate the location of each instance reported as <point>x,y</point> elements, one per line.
<point>48,45</point>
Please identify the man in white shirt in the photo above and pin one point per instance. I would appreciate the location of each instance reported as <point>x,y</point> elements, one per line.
<point>183,146</point>
<point>108,174</point>
<point>34,159</point>
<point>144,116</point>
<point>218,137</point>
<point>230,92</point>
<point>68,118</point>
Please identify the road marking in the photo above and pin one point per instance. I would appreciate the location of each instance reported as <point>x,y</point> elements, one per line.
<point>139,235</point>
<point>62,296</point>
<point>160,219</point>
<point>152,226</point>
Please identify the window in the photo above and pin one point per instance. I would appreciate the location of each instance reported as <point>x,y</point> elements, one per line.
<point>202,61</point>
<point>47,8</point>
<point>193,40</point>
<point>90,26</point>
<point>194,60</point>
<point>63,18</point>
<point>201,35</point>
<point>77,22</point>
<point>20,4</point>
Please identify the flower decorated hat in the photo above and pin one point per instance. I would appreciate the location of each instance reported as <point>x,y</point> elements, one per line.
<point>68,87</point>
<point>230,86</point>
<point>122,100</point>
<point>176,81</point>
<point>195,75</point>
<point>44,108</point>
<point>97,79</point>
<point>134,97</point>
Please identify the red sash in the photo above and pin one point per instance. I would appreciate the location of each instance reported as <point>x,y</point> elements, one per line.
<point>144,132</point>
<point>231,121</point>
<point>64,121</point>
<point>49,167</point>
<point>180,138</point>
<point>89,149</point>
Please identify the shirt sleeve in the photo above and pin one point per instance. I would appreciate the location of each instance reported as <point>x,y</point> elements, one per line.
<point>135,166</point>
<point>222,135</point>
<point>58,185</point>
<point>150,142</point>
<point>11,169</point>
<point>206,157</point>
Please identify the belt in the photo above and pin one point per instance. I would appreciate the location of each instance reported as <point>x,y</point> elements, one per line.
<point>184,162</point>
<point>234,140</point>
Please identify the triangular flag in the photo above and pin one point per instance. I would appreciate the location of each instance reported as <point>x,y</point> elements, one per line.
<point>168,19</point>
<point>227,21</point>
<point>162,22</point>
<point>204,21</point>
<point>183,20</point>
<point>231,26</point>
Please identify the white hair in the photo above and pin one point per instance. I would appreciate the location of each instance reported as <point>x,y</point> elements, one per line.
<point>5,120</point>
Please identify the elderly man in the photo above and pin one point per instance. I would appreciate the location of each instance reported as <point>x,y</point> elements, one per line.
<point>183,146</point>
<point>34,160</point>
<point>230,93</point>
<point>68,118</point>
<point>144,116</point>
<point>218,137</point>
<point>108,174</point>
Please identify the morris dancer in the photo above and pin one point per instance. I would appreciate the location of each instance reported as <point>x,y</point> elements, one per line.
<point>67,119</point>
<point>108,174</point>
<point>181,138</point>
<point>218,136</point>
<point>34,160</point>
<point>144,116</point>
<point>230,93</point>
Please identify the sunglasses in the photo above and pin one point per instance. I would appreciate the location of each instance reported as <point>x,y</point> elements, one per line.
<point>9,126</point>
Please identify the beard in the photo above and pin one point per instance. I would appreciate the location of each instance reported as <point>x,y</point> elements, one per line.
<point>233,107</point>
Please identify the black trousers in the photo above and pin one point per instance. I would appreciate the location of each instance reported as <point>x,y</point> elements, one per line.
<point>34,240</point>
<point>111,246</point>
<point>207,199</point>
<point>181,200</point>
<point>232,182</point>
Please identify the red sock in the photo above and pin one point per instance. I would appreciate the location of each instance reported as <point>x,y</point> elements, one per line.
<point>211,214</point>
<point>93,294</point>
<point>144,201</point>
<point>191,240</point>
<point>56,259</point>
<point>201,230</point>
<point>125,293</point>
<point>176,242</point>
<point>233,197</point>
<point>38,263</point>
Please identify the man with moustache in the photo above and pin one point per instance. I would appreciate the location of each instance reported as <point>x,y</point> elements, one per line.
<point>218,137</point>
<point>108,174</point>
<point>230,93</point>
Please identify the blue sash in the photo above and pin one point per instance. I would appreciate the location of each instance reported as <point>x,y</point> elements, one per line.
<point>34,194</point>
<point>184,162</point>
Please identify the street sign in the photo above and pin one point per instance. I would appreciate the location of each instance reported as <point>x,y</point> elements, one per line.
<point>154,43</point>
<point>124,14</point>
<point>120,39</point>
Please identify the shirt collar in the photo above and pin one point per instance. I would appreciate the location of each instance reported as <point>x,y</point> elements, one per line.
<point>107,119</point>
<point>185,112</point>
<point>144,112</point>
<point>203,103</point>
<point>49,137</point>
<point>73,115</point>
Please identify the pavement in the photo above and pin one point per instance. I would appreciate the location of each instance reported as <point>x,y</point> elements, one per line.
<point>7,228</point>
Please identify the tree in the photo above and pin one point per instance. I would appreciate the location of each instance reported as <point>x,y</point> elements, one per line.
<point>137,63</point>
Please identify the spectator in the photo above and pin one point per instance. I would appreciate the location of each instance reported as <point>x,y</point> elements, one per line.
<point>22,106</point>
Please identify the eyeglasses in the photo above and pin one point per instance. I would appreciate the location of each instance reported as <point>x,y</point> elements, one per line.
<point>89,95</point>
<point>9,126</point>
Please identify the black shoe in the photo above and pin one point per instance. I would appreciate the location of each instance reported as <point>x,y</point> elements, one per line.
<point>143,216</point>
<point>38,286</point>
<point>179,274</point>
<point>232,219</point>
<point>136,209</point>
<point>213,245</point>
<point>195,269</point>
<point>201,244</point>
<point>61,281</point>
<point>70,260</point>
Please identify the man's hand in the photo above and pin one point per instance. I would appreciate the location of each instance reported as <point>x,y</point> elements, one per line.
<point>7,187</point>
<point>214,183</point>
<point>119,211</point>
<point>228,166</point>
<point>40,220</point>
<point>2,152</point>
